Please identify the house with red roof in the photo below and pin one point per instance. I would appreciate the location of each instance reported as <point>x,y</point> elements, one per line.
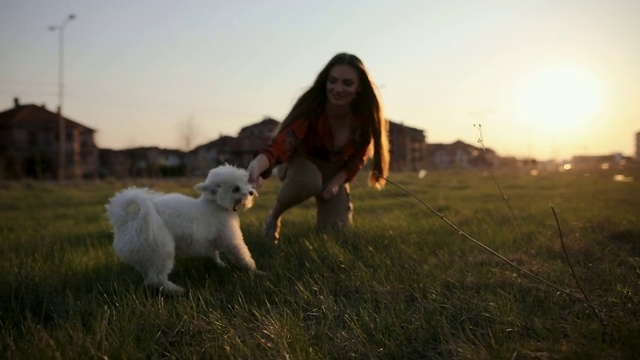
<point>30,145</point>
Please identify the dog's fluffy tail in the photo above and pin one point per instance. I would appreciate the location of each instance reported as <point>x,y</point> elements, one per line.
<point>135,220</point>
<point>129,205</point>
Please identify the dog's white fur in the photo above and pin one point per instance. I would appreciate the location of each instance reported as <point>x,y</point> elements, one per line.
<point>151,228</point>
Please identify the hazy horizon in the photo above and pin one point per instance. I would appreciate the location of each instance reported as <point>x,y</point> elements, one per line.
<point>546,79</point>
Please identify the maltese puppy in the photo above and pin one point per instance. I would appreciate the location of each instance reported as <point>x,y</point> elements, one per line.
<point>151,228</point>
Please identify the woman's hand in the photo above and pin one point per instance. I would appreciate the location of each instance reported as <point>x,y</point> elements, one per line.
<point>257,166</point>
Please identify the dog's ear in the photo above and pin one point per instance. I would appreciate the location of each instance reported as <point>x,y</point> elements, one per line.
<point>204,187</point>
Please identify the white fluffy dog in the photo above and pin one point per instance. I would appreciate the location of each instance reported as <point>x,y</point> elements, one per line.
<point>151,228</point>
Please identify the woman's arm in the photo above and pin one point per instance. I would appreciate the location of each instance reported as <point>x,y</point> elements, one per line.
<point>277,152</point>
<point>332,186</point>
<point>257,166</point>
<point>356,162</point>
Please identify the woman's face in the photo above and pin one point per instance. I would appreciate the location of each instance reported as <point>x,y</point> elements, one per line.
<point>342,85</point>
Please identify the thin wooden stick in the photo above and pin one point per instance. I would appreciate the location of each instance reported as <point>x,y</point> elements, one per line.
<point>566,255</point>
<point>493,176</point>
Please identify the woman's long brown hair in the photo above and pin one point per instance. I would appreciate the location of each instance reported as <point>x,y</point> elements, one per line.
<point>365,107</point>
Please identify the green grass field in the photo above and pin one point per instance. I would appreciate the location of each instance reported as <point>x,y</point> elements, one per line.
<point>402,284</point>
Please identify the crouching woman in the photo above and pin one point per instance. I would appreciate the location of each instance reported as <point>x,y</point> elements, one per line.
<point>322,144</point>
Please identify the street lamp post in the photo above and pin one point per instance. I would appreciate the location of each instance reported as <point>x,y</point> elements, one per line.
<point>61,124</point>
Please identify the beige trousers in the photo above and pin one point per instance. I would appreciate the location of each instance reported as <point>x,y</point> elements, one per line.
<point>303,178</point>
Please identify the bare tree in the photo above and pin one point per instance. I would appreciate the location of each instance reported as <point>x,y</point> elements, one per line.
<point>187,131</point>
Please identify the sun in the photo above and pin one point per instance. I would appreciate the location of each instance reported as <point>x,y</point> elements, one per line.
<point>558,99</point>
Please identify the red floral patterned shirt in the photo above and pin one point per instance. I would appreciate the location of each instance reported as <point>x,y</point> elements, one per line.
<point>313,138</point>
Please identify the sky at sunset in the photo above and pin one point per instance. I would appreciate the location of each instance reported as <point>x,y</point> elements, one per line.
<point>548,79</point>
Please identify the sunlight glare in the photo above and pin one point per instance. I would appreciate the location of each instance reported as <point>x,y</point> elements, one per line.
<point>558,99</point>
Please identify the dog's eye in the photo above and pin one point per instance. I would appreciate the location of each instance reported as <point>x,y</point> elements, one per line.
<point>235,189</point>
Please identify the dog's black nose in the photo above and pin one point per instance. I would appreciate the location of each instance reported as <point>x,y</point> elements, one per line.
<point>250,193</point>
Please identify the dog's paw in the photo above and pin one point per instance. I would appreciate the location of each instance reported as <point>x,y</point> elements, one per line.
<point>259,273</point>
<point>221,264</point>
<point>218,261</point>
<point>172,289</point>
